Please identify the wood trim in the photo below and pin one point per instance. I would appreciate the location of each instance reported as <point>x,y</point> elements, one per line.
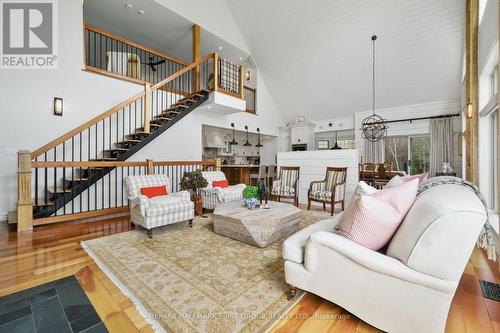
<point>196,56</point>
<point>242,91</point>
<point>498,123</point>
<point>79,216</point>
<point>131,43</point>
<point>168,163</point>
<point>112,164</point>
<point>149,167</point>
<point>86,164</point>
<point>86,125</point>
<point>147,107</point>
<point>230,93</point>
<point>104,72</point>
<point>24,200</point>
<point>216,71</point>
<point>182,71</point>
<point>471,90</point>
<point>131,79</point>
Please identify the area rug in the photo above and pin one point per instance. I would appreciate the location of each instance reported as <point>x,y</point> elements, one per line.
<point>193,280</point>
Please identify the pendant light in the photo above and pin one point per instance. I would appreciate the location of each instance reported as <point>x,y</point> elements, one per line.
<point>336,146</point>
<point>374,127</point>
<point>258,143</point>
<point>247,144</point>
<point>234,141</point>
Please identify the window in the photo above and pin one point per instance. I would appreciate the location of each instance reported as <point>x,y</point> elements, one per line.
<point>494,165</point>
<point>494,83</point>
<point>326,140</point>
<point>408,153</point>
<point>323,144</point>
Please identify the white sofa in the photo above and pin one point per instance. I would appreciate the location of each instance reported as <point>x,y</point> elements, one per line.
<point>157,211</point>
<point>211,196</point>
<point>408,289</point>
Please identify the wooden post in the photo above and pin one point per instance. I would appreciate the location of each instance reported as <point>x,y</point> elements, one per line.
<point>196,56</point>
<point>24,200</point>
<point>471,90</point>
<point>242,91</point>
<point>218,164</point>
<point>149,167</point>
<point>147,106</point>
<point>216,71</point>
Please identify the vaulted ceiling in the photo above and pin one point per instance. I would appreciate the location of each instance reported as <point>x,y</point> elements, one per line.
<point>315,56</point>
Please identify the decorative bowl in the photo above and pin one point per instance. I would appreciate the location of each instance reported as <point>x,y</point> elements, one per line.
<point>251,203</point>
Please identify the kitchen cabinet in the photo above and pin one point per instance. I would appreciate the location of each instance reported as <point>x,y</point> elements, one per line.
<point>239,174</point>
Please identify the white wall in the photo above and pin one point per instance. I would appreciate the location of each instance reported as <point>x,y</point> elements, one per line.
<point>213,15</point>
<point>26,99</point>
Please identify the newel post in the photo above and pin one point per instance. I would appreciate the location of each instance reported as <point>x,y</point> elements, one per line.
<point>147,106</point>
<point>24,200</point>
<point>216,71</point>
<point>218,163</point>
<point>242,90</point>
<point>149,167</point>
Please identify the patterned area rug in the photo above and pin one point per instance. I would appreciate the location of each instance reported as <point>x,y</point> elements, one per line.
<point>193,280</point>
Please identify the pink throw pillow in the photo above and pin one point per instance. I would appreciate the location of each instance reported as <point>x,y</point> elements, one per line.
<point>398,180</point>
<point>371,220</point>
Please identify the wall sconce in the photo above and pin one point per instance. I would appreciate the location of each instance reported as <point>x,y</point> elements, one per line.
<point>248,75</point>
<point>469,110</point>
<point>58,106</point>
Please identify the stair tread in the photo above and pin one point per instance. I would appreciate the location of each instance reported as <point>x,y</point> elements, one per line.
<point>127,141</point>
<point>155,125</point>
<point>76,179</point>
<point>171,111</point>
<point>163,118</point>
<point>59,189</point>
<point>180,106</point>
<point>115,149</point>
<point>41,202</point>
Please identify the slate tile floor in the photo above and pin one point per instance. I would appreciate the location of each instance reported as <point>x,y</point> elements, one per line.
<point>56,307</point>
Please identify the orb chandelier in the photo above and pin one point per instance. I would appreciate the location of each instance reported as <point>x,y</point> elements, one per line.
<point>374,127</point>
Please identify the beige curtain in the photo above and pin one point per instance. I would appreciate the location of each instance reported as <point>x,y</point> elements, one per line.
<point>441,144</point>
<point>374,151</point>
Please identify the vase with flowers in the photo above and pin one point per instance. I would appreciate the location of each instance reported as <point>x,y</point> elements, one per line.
<point>250,196</point>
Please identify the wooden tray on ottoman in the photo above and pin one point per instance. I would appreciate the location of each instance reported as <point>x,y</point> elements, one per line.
<point>258,227</point>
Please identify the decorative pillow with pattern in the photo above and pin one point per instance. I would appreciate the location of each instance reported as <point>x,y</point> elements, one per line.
<point>372,219</point>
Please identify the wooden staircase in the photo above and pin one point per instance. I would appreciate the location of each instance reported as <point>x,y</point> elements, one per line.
<point>73,186</point>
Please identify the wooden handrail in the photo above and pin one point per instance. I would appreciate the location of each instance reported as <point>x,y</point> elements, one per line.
<point>84,126</point>
<point>54,143</point>
<point>182,71</point>
<point>113,164</point>
<point>131,43</point>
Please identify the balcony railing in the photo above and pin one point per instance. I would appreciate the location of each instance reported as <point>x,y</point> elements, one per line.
<point>115,56</point>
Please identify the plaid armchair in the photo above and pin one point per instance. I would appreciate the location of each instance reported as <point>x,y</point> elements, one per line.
<point>286,186</point>
<point>157,211</point>
<point>331,190</point>
<point>211,196</point>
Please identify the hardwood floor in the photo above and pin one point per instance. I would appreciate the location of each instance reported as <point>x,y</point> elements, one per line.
<point>52,252</point>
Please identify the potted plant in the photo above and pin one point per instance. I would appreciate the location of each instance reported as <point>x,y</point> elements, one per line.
<point>193,181</point>
<point>250,195</point>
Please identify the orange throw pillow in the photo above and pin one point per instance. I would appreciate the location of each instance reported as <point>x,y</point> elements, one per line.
<point>220,183</point>
<point>154,191</point>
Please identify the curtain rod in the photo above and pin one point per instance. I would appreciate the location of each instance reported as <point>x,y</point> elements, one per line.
<point>421,118</point>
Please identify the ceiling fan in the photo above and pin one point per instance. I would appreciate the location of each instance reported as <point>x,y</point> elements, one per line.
<point>152,64</point>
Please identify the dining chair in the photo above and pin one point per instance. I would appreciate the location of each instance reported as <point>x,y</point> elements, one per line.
<point>261,175</point>
<point>271,175</point>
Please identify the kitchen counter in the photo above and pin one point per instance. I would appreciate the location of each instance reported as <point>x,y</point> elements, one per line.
<point>239,174</point>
